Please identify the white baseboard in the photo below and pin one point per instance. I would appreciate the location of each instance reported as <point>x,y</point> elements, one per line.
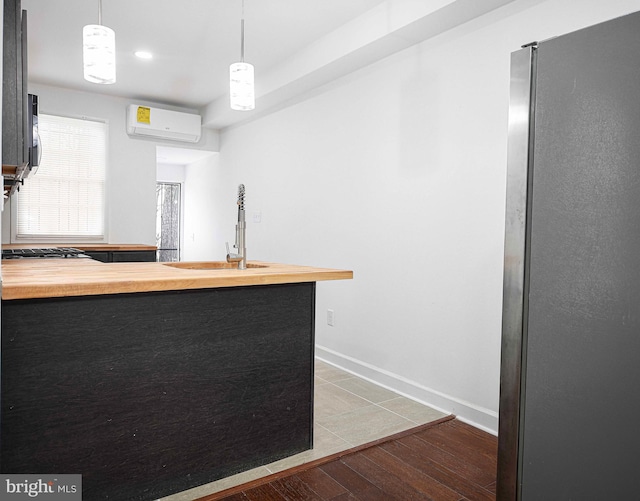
<point>472,414</point>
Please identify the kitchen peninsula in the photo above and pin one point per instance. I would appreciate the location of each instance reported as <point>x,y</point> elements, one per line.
<point>152,378</point>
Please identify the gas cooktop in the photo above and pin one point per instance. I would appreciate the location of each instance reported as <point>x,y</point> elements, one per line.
<point>66,252</point>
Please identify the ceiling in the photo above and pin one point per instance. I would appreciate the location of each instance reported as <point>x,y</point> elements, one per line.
<point>193,41</point>
<point>295,45</point>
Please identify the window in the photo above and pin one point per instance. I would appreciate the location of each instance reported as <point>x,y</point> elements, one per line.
<point>65,199</point>
<point>168,221</point>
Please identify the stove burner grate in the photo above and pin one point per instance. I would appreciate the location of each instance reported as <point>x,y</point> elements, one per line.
<point>66,252</point>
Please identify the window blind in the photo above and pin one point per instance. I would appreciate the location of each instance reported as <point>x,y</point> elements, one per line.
<point>66,197</point>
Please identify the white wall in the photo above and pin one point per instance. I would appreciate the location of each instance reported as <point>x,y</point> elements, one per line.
<point>170,173</point>
<point>398,173</point>
<point>131,165</point>
<point>203,232</point>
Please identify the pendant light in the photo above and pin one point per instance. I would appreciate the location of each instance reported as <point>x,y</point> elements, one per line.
<point>99,52</point>
<point>241,88</point>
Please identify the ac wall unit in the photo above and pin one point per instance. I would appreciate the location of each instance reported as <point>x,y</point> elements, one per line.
<point>163,124</point>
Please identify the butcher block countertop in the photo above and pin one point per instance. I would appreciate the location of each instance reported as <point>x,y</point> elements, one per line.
<point>62,277</point>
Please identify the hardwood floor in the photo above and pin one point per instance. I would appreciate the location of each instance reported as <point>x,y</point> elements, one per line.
<point>441,461</point>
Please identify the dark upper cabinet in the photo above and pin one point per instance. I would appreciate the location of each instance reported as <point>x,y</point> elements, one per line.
<point>15,151</point>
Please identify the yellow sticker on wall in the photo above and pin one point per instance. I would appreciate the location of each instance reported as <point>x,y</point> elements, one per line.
<point>144,115</point>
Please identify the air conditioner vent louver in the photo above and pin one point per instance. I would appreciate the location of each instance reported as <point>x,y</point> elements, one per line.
<point>163,124</point>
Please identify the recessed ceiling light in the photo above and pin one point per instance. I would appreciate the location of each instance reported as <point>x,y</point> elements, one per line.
<point>143,54</point>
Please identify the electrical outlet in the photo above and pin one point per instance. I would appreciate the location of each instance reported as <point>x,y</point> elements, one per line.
<point>330,317</point>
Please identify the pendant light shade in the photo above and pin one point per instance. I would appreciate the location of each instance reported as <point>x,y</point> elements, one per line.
<point>99,52</point>
<point>241,84</point>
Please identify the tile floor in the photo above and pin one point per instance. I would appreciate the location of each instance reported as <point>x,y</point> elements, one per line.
<point>343,402</point>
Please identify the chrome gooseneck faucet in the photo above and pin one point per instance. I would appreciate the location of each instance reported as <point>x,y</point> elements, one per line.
<point>241,256</point>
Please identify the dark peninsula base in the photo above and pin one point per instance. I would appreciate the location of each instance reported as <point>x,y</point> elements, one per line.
<point>150,394</point>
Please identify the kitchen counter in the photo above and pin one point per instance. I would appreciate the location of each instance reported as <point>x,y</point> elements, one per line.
<point>60,277</point>
<point>153,378</point>
<point>86,247</point>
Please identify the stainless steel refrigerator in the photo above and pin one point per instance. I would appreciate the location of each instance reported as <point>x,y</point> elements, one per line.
<point>570,376</point>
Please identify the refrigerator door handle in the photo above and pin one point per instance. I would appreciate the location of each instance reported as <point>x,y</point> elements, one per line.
<point>516,252</point>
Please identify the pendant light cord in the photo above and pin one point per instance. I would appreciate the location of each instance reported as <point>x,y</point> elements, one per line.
<point>241,34</point>
<point>100,12</point>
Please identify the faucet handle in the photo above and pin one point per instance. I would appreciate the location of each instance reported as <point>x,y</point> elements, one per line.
<point>232,257</point>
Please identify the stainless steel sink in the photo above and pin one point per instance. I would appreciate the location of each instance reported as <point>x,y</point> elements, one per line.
<point>209,265</point>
